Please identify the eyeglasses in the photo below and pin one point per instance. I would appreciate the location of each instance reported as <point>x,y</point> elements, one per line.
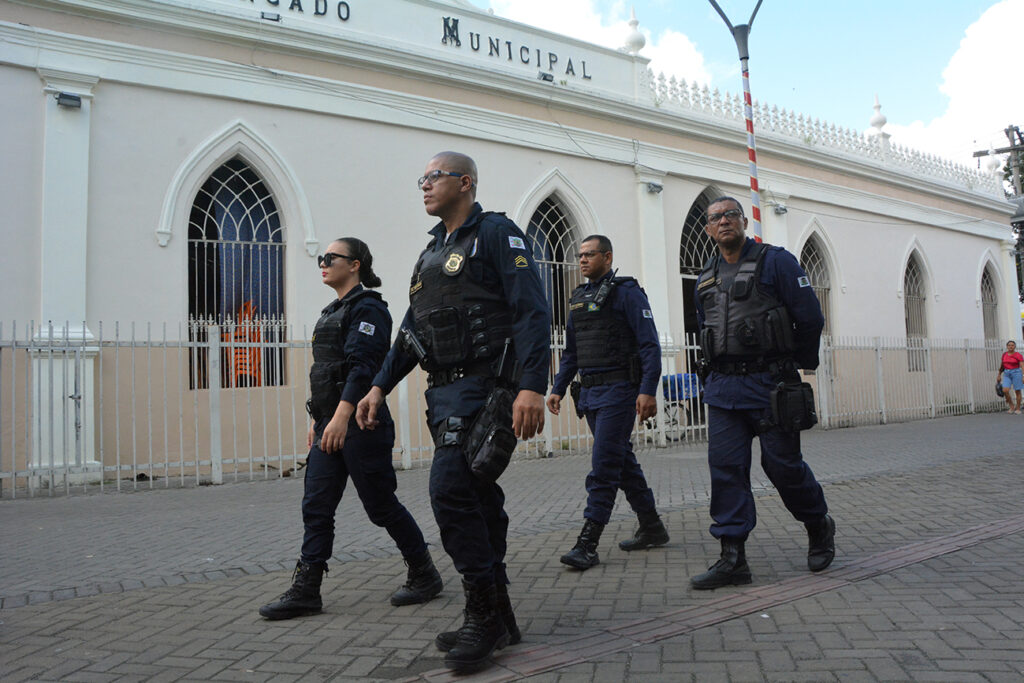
<point>327,259</point>
<point>590,254</point>
<point>717,217</point>
<point>434,176</point>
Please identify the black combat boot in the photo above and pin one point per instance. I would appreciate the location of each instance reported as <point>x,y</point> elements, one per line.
<point>584,554</point>
<point>482,632</point>
<point>423,582</point>
<point>650,534</point>
<point>730,570</point>
<point>446,641</point>
<point>303,598</point>
<point>821,548</point>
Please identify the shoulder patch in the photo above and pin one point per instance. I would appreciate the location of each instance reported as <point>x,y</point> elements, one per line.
<point>648,314</point>
<point>367,328</point>
<point>803,281</point>
<point>521,261</point>
<point>516,242</point>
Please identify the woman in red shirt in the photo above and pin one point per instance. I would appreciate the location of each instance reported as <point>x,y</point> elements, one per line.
<point>1010,374</point>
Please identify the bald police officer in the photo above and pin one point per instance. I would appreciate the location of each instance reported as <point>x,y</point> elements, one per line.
<point>477,311</point>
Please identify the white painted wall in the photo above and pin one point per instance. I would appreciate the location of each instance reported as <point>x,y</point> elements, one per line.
<point>342,160</point>
<point>21,149</point>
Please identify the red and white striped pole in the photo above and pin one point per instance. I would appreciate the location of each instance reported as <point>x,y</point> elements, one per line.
<point>740,34</point>
<point>748,114</point>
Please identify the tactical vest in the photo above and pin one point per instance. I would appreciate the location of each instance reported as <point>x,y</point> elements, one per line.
<point>459,321</point>
<point>603,335</point>
<point>330,365</point>
<point>743,322</point>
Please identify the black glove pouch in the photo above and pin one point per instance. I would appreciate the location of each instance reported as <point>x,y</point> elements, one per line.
<point>793,407</point>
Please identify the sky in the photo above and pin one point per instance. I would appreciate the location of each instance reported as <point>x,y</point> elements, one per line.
<point>943,70</point>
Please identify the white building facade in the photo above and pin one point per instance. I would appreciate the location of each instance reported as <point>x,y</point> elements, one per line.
<point>168,160</point>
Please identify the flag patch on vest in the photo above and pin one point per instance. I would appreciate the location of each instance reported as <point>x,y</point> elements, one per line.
<point>516,242</point>
<point>521,261</point>
<point>367,328</point>
<point>803,281</point>
<point>648,314</point>
<point>593,307</point>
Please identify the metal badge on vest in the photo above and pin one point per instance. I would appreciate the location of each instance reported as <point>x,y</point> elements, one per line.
<point>744,327</point>
<point>461,323</point>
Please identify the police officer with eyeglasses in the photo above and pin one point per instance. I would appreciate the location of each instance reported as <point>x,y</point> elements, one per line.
<point>478,323</point>
<point>613,343</point>
<point>760,321</point>
<point>349,343</point>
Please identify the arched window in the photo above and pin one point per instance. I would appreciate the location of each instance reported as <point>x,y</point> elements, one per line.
<point>236,276</point>
<point>695,248</point>
<point>989,312</point>
<point>553,237</point>
<point>914,300</point>
<point>812,260</point>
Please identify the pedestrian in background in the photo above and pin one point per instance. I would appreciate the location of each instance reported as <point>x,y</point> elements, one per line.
<point>1010,376</point>
<point>349,343</point>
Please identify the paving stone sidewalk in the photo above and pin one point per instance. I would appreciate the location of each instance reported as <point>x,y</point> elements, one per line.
<point>165,584</point>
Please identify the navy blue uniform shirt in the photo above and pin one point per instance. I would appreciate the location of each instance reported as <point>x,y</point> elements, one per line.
<point>492,260</point>
<point>783,278</point>
<point>629,301</point>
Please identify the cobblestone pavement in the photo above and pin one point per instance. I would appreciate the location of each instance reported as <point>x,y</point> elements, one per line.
<point>165,585</point>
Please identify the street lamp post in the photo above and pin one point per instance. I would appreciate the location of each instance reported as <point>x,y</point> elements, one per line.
<point>740,34</point>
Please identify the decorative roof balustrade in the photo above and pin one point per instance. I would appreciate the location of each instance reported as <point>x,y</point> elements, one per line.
<point>771,122</point>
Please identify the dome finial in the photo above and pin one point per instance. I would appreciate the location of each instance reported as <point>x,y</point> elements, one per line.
<point>878,121</point>
<point>635,41</point>
<point>994,163</point>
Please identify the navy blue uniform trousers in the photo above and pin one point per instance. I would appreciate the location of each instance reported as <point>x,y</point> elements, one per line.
<point>471,517</point>
<point>366,460</point>
<point>730,436</point>
<point>613,465</point>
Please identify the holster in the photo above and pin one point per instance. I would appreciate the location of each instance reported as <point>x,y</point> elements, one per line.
<point>575,389</point>
<point>490,441</point>
<point>792,405</point>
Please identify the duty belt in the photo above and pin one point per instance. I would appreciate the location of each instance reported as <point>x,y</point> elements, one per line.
<point>440,378</point>
<point>610,377</point>
<point>746,367</point>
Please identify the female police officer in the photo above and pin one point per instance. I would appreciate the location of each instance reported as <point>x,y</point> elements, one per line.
<point>349,343</point>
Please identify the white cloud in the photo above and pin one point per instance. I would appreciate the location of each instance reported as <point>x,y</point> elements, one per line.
<point>671,52</point>
<point>984,95</point>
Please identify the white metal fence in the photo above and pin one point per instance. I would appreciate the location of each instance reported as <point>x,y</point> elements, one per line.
<point>145,407</point>
<point>875,380</point>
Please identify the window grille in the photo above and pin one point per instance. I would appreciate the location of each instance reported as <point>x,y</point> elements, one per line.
<point>914,299</point>
<point>695,248</point>
<point>553,237</point>
<point>236,278</point>
<point>812,260</point>
<point>989,312</point>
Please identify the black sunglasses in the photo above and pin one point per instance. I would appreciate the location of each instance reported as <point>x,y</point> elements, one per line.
<point>327,259</point>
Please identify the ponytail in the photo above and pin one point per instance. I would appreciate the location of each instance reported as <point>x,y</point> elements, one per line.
<point>361,253</point>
